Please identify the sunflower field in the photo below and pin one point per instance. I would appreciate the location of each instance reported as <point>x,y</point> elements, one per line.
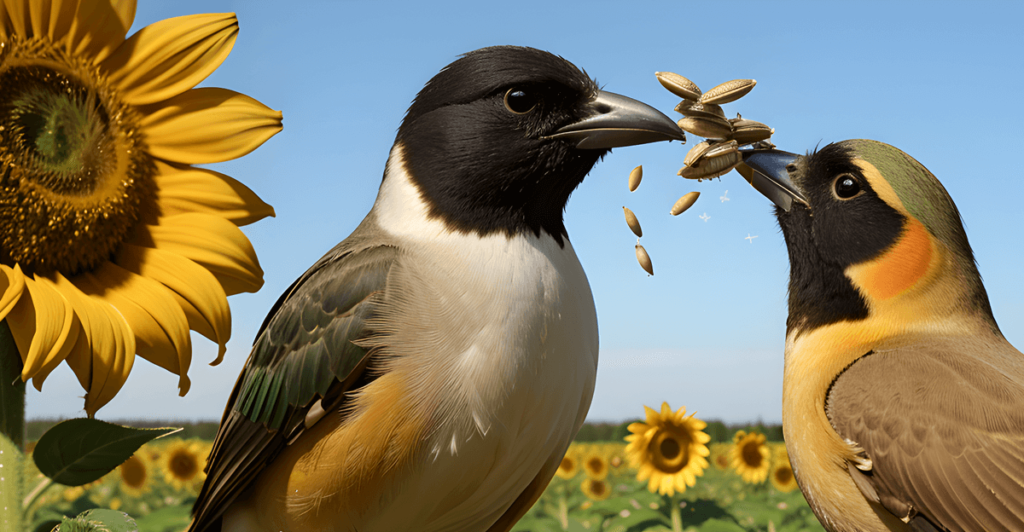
<point>671,472</point>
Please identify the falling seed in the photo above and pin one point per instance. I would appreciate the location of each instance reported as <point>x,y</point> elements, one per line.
<point>679,85</point>
<point>729,91</point>
<point>635,176</point>
<point>707,127</point>
<point>684,203</point>
<point>633,223</point>
<point>644,259</point>
<point>696,153</point>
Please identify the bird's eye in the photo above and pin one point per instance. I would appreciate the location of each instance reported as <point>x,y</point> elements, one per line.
<point>846,186</point>
<point>520,101</point>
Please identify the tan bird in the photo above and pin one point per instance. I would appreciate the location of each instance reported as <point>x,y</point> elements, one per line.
<point>903,404</point>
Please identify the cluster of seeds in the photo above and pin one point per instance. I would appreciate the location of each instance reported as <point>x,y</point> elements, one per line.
<point>680,206</point>
<point>703,116</point>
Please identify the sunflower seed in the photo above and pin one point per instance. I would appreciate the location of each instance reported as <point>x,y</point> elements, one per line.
<point>644,259</point>
<point>749,131</point>
<point>635,176</point>
<point>692,108</point>
<point>633,223</point>
<point>707,127</point>
<point>678,85</point>
<point>729,91</point>
<point>696,153</point>
<point>722,148</point>
<point>684,203</point>
<point>709,168</point>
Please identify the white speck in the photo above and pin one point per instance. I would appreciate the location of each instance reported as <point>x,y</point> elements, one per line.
<point>724,197</point>
<point>624,513</point>
<point>682,504</point>
<point>704,217</point>
<point>750,238</point>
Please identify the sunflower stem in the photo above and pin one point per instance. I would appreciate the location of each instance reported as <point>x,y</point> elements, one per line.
<point>563,513</point>
<point>677,515</point>
<point>12,431</point>
<point>37,492</point>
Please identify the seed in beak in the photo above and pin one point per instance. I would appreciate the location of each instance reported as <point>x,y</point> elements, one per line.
<point>729,91</point>
<point>679,85</point>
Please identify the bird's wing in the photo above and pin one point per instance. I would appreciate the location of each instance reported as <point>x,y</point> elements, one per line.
<point>306,351</point>
<point>943,425</point>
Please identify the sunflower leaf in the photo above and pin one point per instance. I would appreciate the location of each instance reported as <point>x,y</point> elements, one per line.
<point>78,451</point>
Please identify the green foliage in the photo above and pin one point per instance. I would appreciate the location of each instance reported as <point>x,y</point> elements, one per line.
<point>203,430</point>
<point>99,520</point>
<point>79,451</point>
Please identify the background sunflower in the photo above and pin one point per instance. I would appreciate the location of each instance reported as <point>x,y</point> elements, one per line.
<point>750,456</point>
<point>668,450</point>
<point>183,462</point>
<point>596,489</point>
<point>136,475</point>
<point>781,474</point>
<point>570,464</point>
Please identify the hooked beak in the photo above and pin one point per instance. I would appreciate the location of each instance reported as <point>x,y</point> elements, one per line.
<point>619,121</point>
<point>766,171</point>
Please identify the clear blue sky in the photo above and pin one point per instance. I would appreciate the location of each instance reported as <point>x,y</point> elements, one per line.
<point>940,81</point>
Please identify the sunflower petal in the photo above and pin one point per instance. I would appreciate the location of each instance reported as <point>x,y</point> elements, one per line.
<point>170,57</point>
<point>652,415</point>
<point>212,242</point>
<point>12,284</point>
<point>209,125</point>
<point>157,321</point>
<point>72,338</point>
<point>194,288</point>
<point>5,22</point>
<point>125,10</point>
<point>96,31</point>
<point>18,18</point>
<point>40,324</point>
<point>52,18</point>
<point>191,189</point>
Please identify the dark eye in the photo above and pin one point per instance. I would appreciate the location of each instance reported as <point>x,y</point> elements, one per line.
<point>847,186</point>
<point>520,101</point>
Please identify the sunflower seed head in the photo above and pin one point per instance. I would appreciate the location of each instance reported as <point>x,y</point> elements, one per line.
<point>707,127</point>
<point>633,223</point>
<point>696,153</point>
<point>729,91</point>
<point>722,148</point>
<point>684,203</point>
<point>635,176</point>
<point>644,259</point>
<point>678,85</point>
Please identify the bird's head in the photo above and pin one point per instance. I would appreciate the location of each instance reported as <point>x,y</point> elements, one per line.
<point>499,139</point>
<point>870,232</point>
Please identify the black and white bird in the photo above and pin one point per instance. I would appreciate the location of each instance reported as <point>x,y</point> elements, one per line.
<point>430,371</point>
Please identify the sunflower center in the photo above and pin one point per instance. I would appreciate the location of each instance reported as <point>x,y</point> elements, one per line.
<point>598,488</point>
<point>670,449</point>
<point>783,475</point>
<point>73,168</point>
<point>133,473</point>
<point>567,464</point>
<point>183,466</point>
<point>752,455</point>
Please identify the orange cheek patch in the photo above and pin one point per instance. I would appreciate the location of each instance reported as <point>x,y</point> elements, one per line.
<point>901,267</point>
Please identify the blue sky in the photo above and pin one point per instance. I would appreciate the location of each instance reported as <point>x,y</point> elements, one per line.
<point>938,80</point>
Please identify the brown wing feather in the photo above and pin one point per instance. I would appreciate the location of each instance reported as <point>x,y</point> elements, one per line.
<point>942,421</point>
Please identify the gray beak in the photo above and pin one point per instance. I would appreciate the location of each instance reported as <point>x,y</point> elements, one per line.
<point>766,171</point>
<point>619,121</point>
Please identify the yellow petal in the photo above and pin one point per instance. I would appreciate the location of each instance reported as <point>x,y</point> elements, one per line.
<point>652,415</point>
<point>5,22</point>
<point>170,57</point>
<point>666,411</point>
<point>12,284</point>
<point>157,321</point>
<point>208,125</point>
<point>194,288</point>
<point>97,29</point>
<point>125,10</point>
<point>53,18</point>
<point>18,17</point>
<point>212,242</point>
<point>103,356</point>
<point>191,189</point>
<point>69,343</point>
<point>40,324</point>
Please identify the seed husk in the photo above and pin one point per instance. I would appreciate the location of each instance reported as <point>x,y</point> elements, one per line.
<point>692,108</point>
<point>684,203</point>
<point>729,91</point>
<point>633,223</point>
<point>709,168</point>
<point>635,176</point>
<point>679,85</point>
<point>749,131</point>
<point>707,127</point>
<point>696,153</point>
<point>644,259</point>
<point>722,148</point>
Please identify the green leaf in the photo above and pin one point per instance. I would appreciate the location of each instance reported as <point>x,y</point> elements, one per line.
<point>79,451</point>
<point>166,519</point>
<point>637,520</point>
<point>100,520</point>
<point>720,525</point>
<point>543,524</point>
<point>45,525</point>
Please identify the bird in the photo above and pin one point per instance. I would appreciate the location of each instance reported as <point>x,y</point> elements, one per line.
<point>429,372</point>
<point>903,403</point>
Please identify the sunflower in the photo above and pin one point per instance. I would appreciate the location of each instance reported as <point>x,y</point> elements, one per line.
<point>111,243</point>
<point>595,465</point>
<point>182,463</point>
<point>135,475</point>
<point>669,450</point>
<point>617,460</point>
<point>570,464</point>
<point>781,474</point>
<point>720,455</point>
<point>596,489</point>
<point>749,456</point>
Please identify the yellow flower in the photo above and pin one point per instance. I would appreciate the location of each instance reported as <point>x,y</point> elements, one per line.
<point>668,450</point>
<point>115,503</point>
<point>135,475</point>
<point>617,460</point>
<point>183,463</point>
<point>782,472</point>
<point>72,494</point>
<point>570,463</point>
<point>596,489</point>
<point>595,465</point>
<point>720,455</point>
<point>749,456</point>
<point>111,243</point>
